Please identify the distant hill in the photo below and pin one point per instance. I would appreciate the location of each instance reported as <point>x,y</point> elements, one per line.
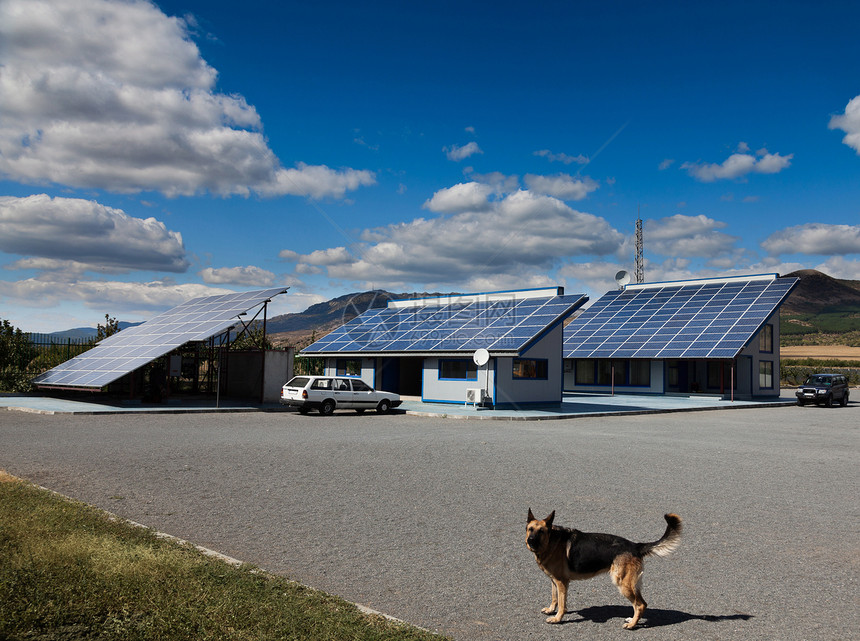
<point>821,310</point>
<point>83,333</point>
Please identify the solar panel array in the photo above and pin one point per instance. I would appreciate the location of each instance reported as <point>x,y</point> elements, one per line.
<point>701,320</point>
<point>133,347</point>
<point>501,325</point>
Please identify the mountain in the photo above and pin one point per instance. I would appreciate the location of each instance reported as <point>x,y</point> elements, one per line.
<point>83,333</point>
<point>821,309</point>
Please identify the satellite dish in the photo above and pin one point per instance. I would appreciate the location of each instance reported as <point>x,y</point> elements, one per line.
<point>622,278</point>
<point>481,357</point>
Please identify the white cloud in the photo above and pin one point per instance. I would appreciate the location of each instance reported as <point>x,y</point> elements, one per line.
<point>849,122</point>
<point>457,153</point>
<point>688,237</point>
<point>665,164</point>
<point>104,295</point>
<point>87,233</point>
<point>517,237</point>
<point>471,196</point>
<point>739,165</point>
<point>561,157</point>
<point>114,95</point>
<point>250,276</point>
<point>561,186</point>
<point>815,239</point>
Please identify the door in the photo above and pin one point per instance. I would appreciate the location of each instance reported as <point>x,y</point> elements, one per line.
<point>342,393</point>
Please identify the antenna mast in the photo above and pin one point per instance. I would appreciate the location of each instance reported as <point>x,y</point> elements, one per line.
<point>639,269</point>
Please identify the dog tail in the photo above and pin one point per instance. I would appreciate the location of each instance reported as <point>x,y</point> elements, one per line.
<point>670,540</point>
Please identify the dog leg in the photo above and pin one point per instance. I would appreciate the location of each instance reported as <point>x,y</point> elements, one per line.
<point>561,590</point>
<point>626,573</point>
<point>554,604</point>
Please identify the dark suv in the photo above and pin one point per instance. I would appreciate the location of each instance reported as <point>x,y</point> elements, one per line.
<point>824,389</point>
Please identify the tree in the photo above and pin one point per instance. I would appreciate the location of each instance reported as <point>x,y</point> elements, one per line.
<point>110,327</point>
<point>16,354</point>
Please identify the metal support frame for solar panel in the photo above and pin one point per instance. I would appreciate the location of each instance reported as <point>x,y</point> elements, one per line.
<point>434,327</point>
<point>705,318</point>
<point>195,320</point>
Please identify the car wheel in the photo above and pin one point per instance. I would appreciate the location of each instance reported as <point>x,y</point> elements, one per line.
<point>844,399</point>
<point>384,406</point>
<point>304,410</point>
<point>327,407</point>
<point>829,401</point>
<point>800,402</point>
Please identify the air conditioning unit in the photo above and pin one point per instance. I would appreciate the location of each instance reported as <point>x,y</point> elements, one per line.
<point>476,396</point>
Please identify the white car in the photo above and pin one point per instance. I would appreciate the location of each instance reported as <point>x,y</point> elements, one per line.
<point>328,393</point>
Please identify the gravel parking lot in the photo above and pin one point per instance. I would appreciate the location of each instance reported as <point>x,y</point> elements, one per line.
<point>424,519</point>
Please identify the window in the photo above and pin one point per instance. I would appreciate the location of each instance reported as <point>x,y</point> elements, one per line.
<point>461,369</point>
<point>360,386</point>
<point>585,372</point>
<point>605,372</point>
<point>765,374</point>
<point>765,339</point>
<point>530,368</point>
<point>348,367</point>
<point>640,373</point>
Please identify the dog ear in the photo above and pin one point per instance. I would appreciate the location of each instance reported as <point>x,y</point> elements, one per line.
<point>549,519</point>
<point>531,516</point>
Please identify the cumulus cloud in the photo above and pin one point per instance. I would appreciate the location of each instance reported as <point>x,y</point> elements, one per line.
<point>471,196</point>
<point>73,231</point>
<point>738,165</point>
<point>114,95</point>
<point>457,153</point>
<point>815,239</point>
<point>561,186</point>
<point>849,122</point>
<point>519,235</point>
<point>688,236</point>
<point>117,296</point>
<point>250,276</point>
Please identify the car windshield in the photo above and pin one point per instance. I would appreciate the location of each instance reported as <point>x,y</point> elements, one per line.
<point>818,380</point>
<point>298,381</point>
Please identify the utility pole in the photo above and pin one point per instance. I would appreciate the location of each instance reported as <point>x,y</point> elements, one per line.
<point>639,269</point>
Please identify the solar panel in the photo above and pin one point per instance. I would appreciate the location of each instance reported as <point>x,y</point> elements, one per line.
<point>133,347</point>
<point>495,325</point>
<point>701,319</point>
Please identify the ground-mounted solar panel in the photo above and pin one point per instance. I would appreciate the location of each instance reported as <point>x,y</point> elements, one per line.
<point>127,350</point>
<point>495,323</point>
<point>694,319</point>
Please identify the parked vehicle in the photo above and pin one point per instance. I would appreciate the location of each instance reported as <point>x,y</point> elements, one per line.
<point>824,389</point>
<point>328,393</point>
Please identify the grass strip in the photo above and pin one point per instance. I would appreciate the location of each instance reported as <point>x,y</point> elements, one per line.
<point>70,571</point>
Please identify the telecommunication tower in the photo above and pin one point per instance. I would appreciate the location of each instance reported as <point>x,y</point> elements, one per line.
<point>639,269</point>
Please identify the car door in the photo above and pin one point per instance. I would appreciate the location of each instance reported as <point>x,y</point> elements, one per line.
<point>343,393</point>
<point>364,397</point>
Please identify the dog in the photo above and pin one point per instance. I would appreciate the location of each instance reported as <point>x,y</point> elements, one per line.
<point>567,554</point>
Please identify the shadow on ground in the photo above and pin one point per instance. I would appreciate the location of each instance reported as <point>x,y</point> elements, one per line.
<point>653,618</point>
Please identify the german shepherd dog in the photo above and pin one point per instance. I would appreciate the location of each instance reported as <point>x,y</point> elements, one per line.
<point>566,554</point>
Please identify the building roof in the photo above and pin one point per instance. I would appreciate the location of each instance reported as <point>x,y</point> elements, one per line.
<point>705,318</point>
<point>503,323</point>
<point>133,347</point>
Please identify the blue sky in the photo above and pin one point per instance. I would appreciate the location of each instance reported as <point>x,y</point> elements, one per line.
<point>154,152</point>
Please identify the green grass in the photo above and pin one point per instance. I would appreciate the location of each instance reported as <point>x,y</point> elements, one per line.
<point>69,571</point>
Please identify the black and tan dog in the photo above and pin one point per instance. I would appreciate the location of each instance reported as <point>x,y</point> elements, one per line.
<point>567,555</point>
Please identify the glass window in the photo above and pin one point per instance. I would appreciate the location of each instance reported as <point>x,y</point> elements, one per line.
<point>585,372</point>
<point>360,386</point>
<point>765,374</point>
<point>765,339</point>
<point>530,368</point>
<point>606,369</point>
<point>640,372</point>
<point>463,369</point>
<point>348,367</point>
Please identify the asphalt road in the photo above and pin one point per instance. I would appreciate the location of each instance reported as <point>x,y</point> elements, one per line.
<point>424,519</point>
